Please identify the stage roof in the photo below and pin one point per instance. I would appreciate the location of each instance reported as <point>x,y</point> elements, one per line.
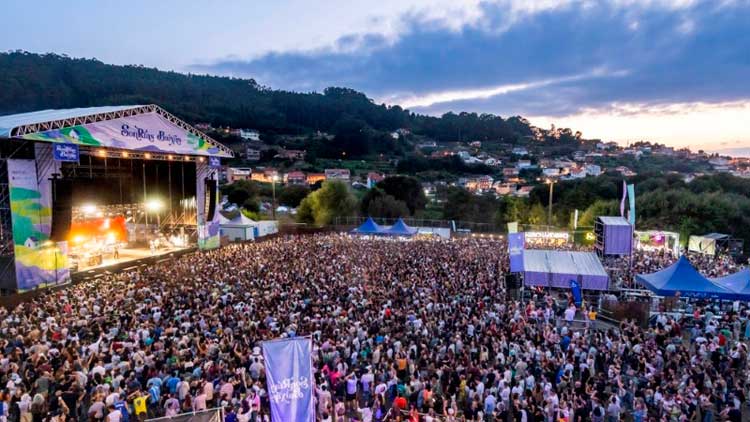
<point>557,268</point>
<point>682,277</point>
<point>146,128</point>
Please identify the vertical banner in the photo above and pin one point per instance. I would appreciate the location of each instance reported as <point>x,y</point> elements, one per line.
<point>631,197</point>
<point>289,379</point>
<point>575,289</point>
<point>515,248</point>
<point>575,220</point>
<point>39,262</point>
<point>513,227</point>
<point>208,231</point>
<point>624,195</point>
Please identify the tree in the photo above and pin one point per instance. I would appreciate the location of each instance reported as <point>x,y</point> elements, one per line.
<point>292,195</point>
<point>406,189</point>
<point>386,206</point>
<point>537,215</point>
<point>333,199</point>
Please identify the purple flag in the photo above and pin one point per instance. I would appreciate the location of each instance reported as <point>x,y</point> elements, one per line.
<point>624,195</point>
<point>290,379</point>
<point>515,249</point>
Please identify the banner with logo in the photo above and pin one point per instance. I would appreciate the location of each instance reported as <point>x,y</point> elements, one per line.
<point>289,379</point>
<point>515,248</point>
<point>513,227</point>
<point>209,236</point>
<point>631,197</point>
<point>148,132</point>
<point>66,152</point>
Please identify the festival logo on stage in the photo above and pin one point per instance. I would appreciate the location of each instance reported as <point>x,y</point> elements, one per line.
<point>148,132</point>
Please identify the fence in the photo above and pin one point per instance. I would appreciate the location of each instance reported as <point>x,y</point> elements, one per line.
<point>209,415</point>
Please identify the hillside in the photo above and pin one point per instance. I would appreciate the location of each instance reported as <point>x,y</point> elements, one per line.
<point>33,82</point>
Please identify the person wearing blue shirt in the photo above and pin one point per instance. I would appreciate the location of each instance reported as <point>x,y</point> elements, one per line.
<point>122,406</point>
<point>172,384</point>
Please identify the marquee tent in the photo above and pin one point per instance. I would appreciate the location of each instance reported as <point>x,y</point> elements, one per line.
<point>738,282</point>
<point>557,268</point>
<point>682,277</point>
<point>239,228</point>
<point>369,227</point>
<point>400,229</point>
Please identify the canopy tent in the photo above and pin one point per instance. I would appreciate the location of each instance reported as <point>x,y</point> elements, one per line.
<point>558,268</point>
<point>369,227</point>
<point>239,220</point>
<point>400,229</point>
<point>738,282</point>
<point>681,277</point>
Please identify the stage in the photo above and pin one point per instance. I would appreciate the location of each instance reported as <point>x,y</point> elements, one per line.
<point>127,255</point>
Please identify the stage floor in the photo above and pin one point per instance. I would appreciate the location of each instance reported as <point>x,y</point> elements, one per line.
<point>127,255</point>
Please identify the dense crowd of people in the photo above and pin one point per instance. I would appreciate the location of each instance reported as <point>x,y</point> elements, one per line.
<point>418,330</point>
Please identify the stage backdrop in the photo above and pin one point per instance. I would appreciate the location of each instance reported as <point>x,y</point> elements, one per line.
<point>149,132</point>
<point>39,262</point>
<point>290,379</point>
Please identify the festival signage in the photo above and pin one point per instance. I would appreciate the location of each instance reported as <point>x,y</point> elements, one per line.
<point>209,236</point>
<point>148,132</point>
<point>39,262</point>
<point>575,289</point>
<point>515,249</point>
<point>289,379</point>
<point>65,152</point>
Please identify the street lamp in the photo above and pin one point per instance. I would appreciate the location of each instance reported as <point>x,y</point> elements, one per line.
<point>551,184</point>
<point>274,179</point>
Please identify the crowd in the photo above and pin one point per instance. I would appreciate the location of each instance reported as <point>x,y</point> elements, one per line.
<point>403,330</point>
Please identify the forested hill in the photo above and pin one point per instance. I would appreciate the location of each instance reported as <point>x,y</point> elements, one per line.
<point>33,82</point>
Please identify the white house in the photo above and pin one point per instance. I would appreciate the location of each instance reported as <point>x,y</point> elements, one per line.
<point>250,135</point>
<point>520,151</point>
<point>593,169</point>
<point>31,242</point>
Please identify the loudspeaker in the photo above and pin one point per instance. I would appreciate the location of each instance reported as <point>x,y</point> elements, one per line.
<point>62,209</point>
<point>211,190</point>
<point>512,281</point>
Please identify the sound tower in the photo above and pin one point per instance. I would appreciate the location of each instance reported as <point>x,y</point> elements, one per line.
<point>512,287</point>
<point>62,208</point>
<point>210,199</point>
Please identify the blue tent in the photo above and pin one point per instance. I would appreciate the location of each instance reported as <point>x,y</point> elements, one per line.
<point>400,229</point>
<point>369,227</point>
<point>738,282</point>
<point>682,277</point>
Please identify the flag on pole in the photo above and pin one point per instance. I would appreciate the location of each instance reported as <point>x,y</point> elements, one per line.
<point>624,195</point>
<point>631,197</point>
<point>289,378</point>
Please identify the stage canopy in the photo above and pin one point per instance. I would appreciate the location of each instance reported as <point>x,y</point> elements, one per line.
<point>738,282</point>
<point>558,268</point>
<point>143,128</point>
<point>369,227</point>
<point>400,229</point>
<point>682,277</point>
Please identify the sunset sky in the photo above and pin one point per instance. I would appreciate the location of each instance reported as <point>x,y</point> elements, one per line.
<point>676,72</point>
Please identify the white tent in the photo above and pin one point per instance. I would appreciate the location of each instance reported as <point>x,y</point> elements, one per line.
<point>239,228</point>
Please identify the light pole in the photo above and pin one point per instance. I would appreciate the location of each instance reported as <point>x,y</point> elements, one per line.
<point>274,178</point>
<point>551,184</point>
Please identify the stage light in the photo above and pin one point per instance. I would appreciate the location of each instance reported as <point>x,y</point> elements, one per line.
<point>201,159</point>
<point>110,238</point>
<point>88,209</point>
<point>187,158</point>
<point>170,157</point>
<point>124,154</point>
<point>147,156</point>
<point>78,239</point>
<point>102,153</point>
<point>154,205</point>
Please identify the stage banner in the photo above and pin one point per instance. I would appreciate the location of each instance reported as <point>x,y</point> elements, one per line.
<point>148,132</point>
<point>631,197</point>
<point>66,152</point>
<point>209,236</point>
<point>575,289</point>
<point>513,227</point>
<point>515,249</point>
<point>39,261</point>
<point>289,379</point>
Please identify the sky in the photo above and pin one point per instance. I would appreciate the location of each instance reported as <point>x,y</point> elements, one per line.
<point>669,71</point>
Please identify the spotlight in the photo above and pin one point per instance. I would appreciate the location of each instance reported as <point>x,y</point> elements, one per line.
<point>154,205</point>
<point>125,154</point>
<point>102,153</point>
<point>201,159</point>
<point>187,158</point>
<point>170,157</point>
<point>88,209</point>
<point>147,156</point>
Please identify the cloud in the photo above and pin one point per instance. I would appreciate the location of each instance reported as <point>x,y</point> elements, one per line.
<point>550,58</point>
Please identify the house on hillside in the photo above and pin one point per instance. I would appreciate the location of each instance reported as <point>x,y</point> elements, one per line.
<point>343,175</point>
<point>296,178</point>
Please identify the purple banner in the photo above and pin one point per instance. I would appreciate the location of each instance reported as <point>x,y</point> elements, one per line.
<point>515,248</point>
<point>290,379</point>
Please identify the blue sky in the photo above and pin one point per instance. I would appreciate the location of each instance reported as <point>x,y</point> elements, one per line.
<point>625,70</point>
